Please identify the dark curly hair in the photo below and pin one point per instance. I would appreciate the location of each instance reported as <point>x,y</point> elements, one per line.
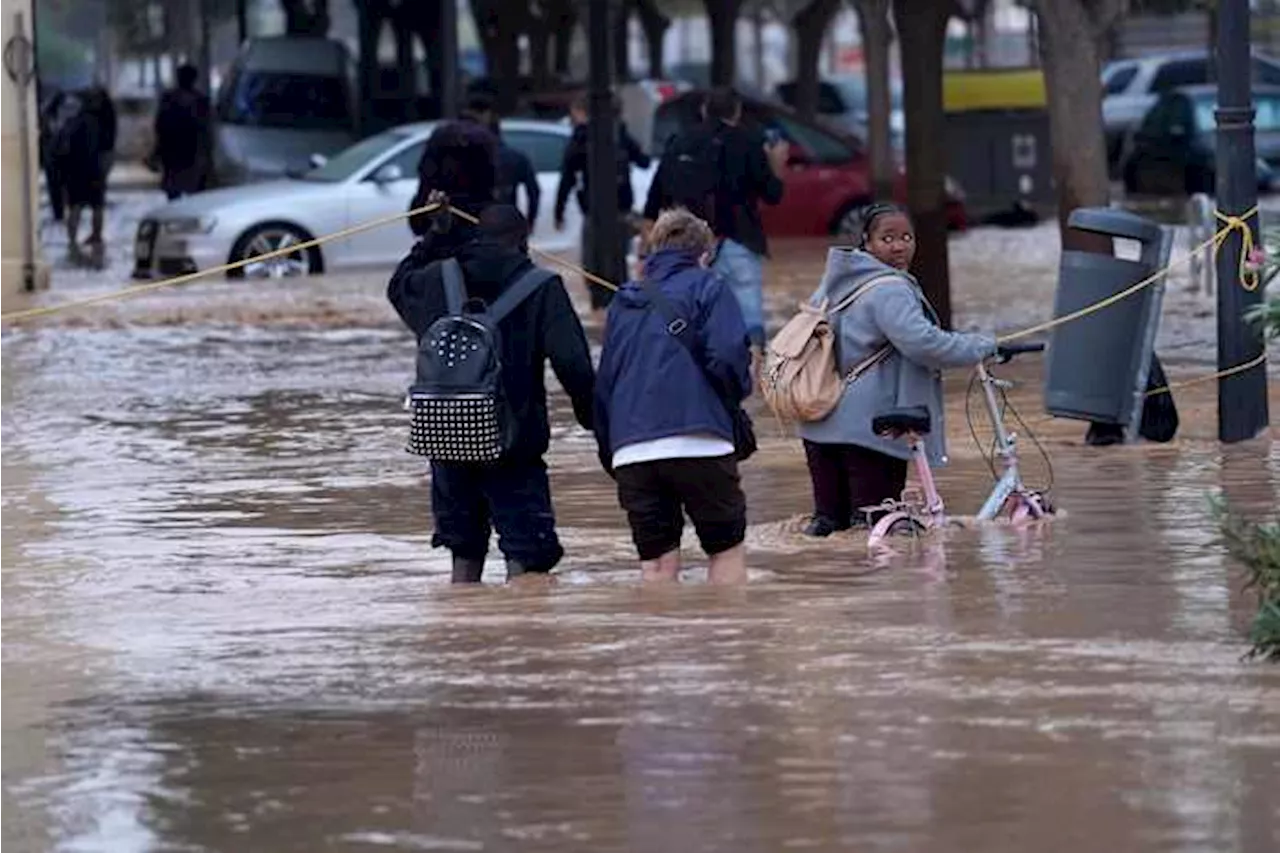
<point>460,160</point>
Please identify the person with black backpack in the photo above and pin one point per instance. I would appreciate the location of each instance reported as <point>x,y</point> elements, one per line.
<point>573,175</point>
<point>721,171</point>
<point>487,322</point>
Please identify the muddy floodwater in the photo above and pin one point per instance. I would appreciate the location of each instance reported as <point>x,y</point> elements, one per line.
<point>225,630</point>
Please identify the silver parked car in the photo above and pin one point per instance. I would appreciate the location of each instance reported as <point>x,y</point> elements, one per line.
<point>1131,87</point>
<point>374,178</point>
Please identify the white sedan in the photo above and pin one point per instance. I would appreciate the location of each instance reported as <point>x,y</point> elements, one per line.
<point>374,178</point>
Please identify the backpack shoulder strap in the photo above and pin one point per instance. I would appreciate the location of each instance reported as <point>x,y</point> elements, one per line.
<point>861,290</point>
<point>520,290</point>
<point>455,290</point>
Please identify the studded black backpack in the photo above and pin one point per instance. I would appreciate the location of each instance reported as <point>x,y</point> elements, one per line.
<point>458,408</point>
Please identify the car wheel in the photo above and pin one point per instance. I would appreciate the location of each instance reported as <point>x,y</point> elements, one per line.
<point>849,222</point>
<point>274,237</point>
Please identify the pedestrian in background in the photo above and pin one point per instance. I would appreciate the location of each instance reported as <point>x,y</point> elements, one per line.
<point>721,171</point>
<point>514,168</point>
<point>574,176</point>
<point>183,137</point>
<point>86,155</point>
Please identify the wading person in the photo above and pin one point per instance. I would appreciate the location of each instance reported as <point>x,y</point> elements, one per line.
<point>573,176</point>
<point>512,493</point>
<point>850,466</point>
<point>183,143</point>
<point>722,171</point>
<point>675,359</point>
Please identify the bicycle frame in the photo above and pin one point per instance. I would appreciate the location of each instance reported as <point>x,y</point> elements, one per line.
<point>1010,483</point>
<point>927,510</point>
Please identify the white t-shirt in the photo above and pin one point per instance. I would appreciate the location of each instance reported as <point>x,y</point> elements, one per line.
<point>700,446</point>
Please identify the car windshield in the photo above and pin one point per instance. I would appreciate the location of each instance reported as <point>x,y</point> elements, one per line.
<point>1266,118</point>
<point>345,164</point>
<point>280,99</point>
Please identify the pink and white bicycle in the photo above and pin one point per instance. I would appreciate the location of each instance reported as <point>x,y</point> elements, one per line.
<point>921,509</point>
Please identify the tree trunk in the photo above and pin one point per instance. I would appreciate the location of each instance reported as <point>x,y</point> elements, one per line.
<point>723,18</point>
<point>810,24</point>
<point>499,32</point>
<point>540,33</point>
<point>922,28</point>
<point>621,28</point>
<point>655,26</point>
<point>405,65</point>
<point>369,17</point>
<point>564,18</point>
<point>877,38</point>
<point>1071,37</point>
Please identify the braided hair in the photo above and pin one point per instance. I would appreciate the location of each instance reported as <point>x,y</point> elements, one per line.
<point>873,212</point>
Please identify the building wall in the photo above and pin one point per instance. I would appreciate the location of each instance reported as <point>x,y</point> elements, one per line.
<point>12,177</point>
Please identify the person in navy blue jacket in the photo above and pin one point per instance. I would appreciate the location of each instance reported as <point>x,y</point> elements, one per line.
<point>662,418</point>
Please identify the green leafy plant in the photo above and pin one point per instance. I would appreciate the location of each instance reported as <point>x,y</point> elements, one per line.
<point>1256,546</point>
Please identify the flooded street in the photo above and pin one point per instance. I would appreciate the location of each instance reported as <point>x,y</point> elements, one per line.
<point>225,629</point>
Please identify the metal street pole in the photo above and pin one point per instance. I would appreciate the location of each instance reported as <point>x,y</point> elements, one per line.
<point>448,47</point>
<point>602,244</point>
<point>1242,397</point>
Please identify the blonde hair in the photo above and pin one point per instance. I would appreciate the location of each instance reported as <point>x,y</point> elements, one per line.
<point>677,228</point>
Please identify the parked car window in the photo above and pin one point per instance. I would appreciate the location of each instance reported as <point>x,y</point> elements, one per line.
<point>822,147</point>
<point>544,150</point>
<point>1266,72</point>
<point>409,158</point>
<point>1119,79</point>
<point>1183,72</point>
<point>1156,122</point>
<point>1266,113</point>
<point>280,99</point>
<point>1206,121</point>
<point>351,160</point>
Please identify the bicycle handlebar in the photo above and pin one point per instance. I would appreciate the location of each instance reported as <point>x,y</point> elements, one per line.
<point>1006,352</point>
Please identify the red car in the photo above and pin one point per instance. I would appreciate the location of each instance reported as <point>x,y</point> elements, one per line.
<point>829,176</point>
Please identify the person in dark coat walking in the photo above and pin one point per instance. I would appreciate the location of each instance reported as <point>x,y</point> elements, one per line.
<point>514,494</point>
<point>56,113</point>
<point>84,162</point>
<point>184,137</point>
<point>573,176</point>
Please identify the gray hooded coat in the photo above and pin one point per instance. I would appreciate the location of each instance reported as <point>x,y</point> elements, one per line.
<point>894,310</point>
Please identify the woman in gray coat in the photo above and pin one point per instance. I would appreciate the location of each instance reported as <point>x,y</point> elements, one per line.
<point>851,467</point>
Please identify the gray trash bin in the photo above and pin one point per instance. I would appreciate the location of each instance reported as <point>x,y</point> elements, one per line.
<point>1097,365</point>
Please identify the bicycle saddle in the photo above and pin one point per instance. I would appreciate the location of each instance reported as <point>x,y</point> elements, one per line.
<point>896,422</point>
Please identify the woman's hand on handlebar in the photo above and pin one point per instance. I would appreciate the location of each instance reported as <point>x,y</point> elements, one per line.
<point>1006,352</point>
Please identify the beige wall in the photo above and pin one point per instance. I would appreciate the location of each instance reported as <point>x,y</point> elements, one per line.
<point>11,176</point>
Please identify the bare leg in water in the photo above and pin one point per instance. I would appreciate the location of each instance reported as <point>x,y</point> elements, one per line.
<point>727,567</point>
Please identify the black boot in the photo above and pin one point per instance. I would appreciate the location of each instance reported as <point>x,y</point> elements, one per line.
<point>821,527</point>
<point>467,571</point>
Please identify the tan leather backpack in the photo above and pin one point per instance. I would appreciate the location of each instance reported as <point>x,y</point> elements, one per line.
<point>801,381</point>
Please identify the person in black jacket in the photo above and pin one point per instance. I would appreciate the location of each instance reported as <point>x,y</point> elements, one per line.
<point>573,175</point>
<point>514,168</point>
<point>184,137</point>
<point>86,161</point>
<point>750,172</point>
<point>513,495</point>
